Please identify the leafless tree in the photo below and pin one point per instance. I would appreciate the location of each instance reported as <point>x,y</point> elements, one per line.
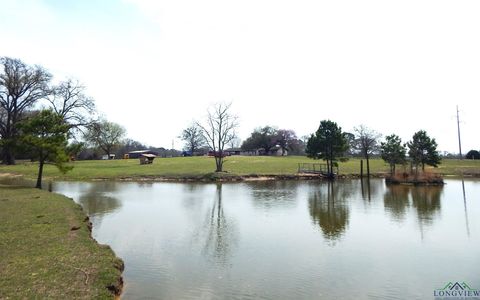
<point>68,99</point>
<point>219,130</point>
<point>21,86</point>
<point>236,142</point>
<point>193,138</point>
<point>366,142</point>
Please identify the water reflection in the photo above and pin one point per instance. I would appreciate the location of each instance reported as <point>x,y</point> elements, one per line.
<point>366,189</point>
<point>219,232</point>
<point>98,198</point>
<point>328,209</point>
<point>396,201</point>
<point>426,200</point>
<point>273,194</point>
<point>465,207</point>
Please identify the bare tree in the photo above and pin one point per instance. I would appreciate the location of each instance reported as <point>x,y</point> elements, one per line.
<point>21,86</point>
<point>366,141</point>
<point>219,130</point>
<point>236,142</point>
<point>68,99</point>
<point>193,138</point>
<point>105,135</point>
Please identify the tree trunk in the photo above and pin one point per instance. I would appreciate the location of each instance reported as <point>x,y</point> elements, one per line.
<point>40,174</point>
<point>219,163</point>
<point>8,158</point>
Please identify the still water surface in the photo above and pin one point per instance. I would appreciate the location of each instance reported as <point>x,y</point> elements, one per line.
<point>286,240</point>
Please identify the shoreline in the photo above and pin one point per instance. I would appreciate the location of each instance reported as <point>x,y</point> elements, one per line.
<point>220,177</point>
<point>72,264</point>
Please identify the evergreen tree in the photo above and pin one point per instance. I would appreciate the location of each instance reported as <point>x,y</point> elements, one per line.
<point>328,143</point>
<point>393,152</point>
<point>423,150</point>
<point>45,137</point>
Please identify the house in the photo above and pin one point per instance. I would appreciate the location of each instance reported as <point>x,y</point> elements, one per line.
<point>274,151</point>
<point>138,153</point>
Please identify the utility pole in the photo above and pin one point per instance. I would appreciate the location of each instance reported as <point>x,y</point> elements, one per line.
<point>458,128</point>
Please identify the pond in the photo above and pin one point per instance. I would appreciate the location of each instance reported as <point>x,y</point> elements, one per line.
<point>286,239</point>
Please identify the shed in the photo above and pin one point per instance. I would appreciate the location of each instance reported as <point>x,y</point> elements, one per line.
<point>138,153</point>
<point>146,159</point>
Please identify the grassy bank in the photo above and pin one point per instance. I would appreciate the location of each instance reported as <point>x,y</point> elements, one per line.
<point>46,250</point>
<point>199,166</point>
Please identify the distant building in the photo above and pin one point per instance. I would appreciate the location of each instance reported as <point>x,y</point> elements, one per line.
<point>107,157</point>
<point>234,151</point>
<point>138,153</point>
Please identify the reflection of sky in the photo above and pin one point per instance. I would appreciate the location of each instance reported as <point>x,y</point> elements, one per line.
<point>276,251</point>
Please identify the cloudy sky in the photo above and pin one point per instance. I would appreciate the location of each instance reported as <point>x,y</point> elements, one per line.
<point>154,66</point>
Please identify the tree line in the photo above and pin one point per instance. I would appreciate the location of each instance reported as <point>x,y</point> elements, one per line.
<point>55,122</point>
<point>331,144</point>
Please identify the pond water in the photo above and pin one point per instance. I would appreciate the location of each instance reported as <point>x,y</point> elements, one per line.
<point>287,239</point>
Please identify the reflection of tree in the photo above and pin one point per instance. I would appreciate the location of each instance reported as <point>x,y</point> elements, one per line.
<point>96,201</point>
<point>395,200</point>
<point>329,209</point>
<point>426,199</point>
<point>465,207</point>
<point>220,233</point>
<point>272,194</point>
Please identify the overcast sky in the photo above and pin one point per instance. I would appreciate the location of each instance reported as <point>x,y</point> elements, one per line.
<point>154,66</point>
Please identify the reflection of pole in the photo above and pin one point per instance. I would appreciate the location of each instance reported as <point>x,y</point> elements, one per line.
<point>368,189</point>
<point>458,129</point>
<point>363,191</point>
<point>465,207</point>
<point>361,168</point>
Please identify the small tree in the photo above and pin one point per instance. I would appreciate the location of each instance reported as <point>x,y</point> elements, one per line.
<point>193,138</point>
<point>393,152</point>
<point>366,141</point>
<point>423,150</point>
<point>219,130</point>
<point>328,143</point>
<point>45,136</point>
<point>105,135</point>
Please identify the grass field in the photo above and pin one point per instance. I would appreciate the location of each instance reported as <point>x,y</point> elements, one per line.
<point>199,166</point>
<point>42,257</point>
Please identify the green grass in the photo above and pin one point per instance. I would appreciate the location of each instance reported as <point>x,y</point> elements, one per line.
<point>199,166</point>
<point>41,257</point>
